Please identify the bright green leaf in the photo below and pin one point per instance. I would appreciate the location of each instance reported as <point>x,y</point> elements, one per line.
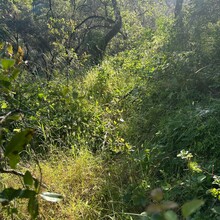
<point>10,49</point>
<point>15,73</point>
<point>32,118</point>
<point>17,130</point>
<point>7,63</point>
<point>4,105</point>
<point>191,207</point>
<point>194,167</point>
<point>41,95</point>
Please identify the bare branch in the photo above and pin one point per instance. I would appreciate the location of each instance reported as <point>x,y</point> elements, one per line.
<point>96,17</point>
<point>17,173</point>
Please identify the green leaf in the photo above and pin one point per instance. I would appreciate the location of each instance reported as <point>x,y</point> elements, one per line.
<point>170,215</point>
<point>191,207</point>
<point>41,96</point>
<point>7,63</point>
<point>51,197</point>
<point>15,117</point>
<point>15,73</point>
<point>13,160</point>
<point>33,207</point>
<point>5,83</point>
<point>18,141</point>
<point>194,167</point>
<point>28,179</point>
<point>4,105</point>
<point>10,49</point>
<point>36,184</point>
<point>26,194</point>
<point>16,145</point>
<point>10,194</point>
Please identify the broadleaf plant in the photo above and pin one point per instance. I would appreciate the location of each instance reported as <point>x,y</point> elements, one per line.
<point>10,151</point>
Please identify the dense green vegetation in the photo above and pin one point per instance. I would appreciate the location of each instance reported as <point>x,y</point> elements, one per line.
<point>110,109</point>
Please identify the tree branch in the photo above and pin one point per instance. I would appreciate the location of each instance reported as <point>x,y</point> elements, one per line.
<point>17,173</point>
<point>92,17</point>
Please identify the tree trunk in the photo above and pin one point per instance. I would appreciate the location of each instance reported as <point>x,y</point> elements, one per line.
<point>178,8</point>
<point>100,47</point>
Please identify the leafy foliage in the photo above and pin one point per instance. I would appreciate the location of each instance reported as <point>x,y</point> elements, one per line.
<point>13,148</point>
<point>146,116</point>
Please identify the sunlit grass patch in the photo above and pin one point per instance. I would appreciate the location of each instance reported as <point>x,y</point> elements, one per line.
<point>78,178</point>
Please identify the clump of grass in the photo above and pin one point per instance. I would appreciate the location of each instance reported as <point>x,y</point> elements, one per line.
<point>78,178</point>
